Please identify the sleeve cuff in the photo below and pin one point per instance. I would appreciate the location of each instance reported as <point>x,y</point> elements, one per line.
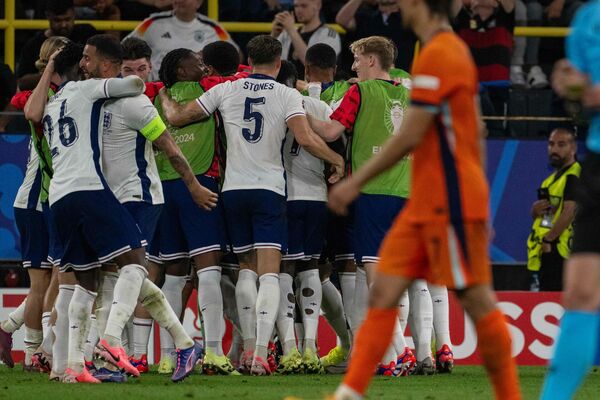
<point>293,115</point>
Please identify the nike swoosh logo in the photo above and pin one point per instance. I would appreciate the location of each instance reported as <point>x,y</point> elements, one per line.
<point>117,358</point>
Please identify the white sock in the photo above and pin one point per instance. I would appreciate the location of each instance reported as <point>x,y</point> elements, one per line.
<point>345,392</point>
<point>92,339</point>
<point>33,339</point>
<point>15,319</point>
<point>229,303</point>
<point>80,309</point>
<point>422,311</point>
<point>210,301</point>
<point>334,312</point>
<point>348,286</point>
<point>108,280</point>
<point>267,304</point>
<point>246,294</point>
<point>237,344</point>
<point>285,315</point>
<point>441,315</point>
<point>311,295</point>
<point>398,340</point>
<point>60,349</point>
<point>155,302</point>
<point>45,318</point>
<point>48,341</point>
<point>389,355</point>
<point>141,336</point>
<point>172,289</point>
<point>127,291</point>
<point>361,299</point>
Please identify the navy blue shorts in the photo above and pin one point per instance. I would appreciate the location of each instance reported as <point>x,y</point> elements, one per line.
<point>55,248</point>
<point>340,236</point>
<point>146,216</point>
<point>93,227</point>
<point>306,223</point>
<point>256,218</point>
<point>373,217</point>
<point>184,229</point>
<point>33,238</point>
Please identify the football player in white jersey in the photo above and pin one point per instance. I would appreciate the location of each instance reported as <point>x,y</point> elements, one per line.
<point>255,112</point>
<point>90,220</point>
<point>306,221</point>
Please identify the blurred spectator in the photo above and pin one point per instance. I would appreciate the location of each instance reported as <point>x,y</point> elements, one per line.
<point>313,31</point>
<point>486,26</point>
<point>135,10</point>
<point>98,10</point>
<point>136,58</point>
<point>61,15</point>
<point>183,27</point>
<point>379,18</point>
<point>526,51</point>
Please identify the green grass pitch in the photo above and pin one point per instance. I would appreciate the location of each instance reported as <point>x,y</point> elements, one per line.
<point>463,384</point>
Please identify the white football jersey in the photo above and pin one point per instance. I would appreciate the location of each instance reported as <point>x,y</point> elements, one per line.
<point>127,156</point>
<point>322,34</point>
<point>254,112</point>
<point>28,196</point>
<point>305,172</point>
<point>72,122</point>
<point>164,32</point>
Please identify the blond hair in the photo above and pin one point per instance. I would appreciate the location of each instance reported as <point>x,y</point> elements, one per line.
<point>48,48</point>
<point>383,48</point>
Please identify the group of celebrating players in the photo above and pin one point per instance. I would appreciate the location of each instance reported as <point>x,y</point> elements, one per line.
<point>272,209</point>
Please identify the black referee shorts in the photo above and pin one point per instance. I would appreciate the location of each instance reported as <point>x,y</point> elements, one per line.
<point>586,238</point>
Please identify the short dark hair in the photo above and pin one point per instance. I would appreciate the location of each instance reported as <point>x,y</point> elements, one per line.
<point>321,55</point>
<point>108,47</point>
<point>441,7</point>
<point>222,56</point>
<point>68,58</point>
<point>168,67</point>
<point>135,48</point>
<point>568,129</point>
<point>263,49</point>
<point>58,7</point>
<point>288,75</point>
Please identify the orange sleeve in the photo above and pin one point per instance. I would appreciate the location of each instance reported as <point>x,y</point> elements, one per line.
<point>434,80</point>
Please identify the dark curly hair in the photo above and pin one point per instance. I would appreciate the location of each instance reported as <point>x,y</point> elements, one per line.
<point>67,61</point>
<point>168,68</point>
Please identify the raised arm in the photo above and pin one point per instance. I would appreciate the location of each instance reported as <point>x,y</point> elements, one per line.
<point>316,146</point>
<point>180,114</point>
<point>34,108</point>
<point>345,17</point>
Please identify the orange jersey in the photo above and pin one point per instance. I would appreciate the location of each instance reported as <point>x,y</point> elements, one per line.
<point>448,182</point>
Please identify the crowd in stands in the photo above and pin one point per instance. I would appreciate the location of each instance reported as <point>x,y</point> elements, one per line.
<point>504,61</point>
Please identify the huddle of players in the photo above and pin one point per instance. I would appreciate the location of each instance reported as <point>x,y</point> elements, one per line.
<point>257,199</point>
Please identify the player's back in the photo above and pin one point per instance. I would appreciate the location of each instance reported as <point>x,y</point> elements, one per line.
<point>254,112</point>
<point>305,172</point>
<point>448,181</point>
<point>71,126</point>
<point>128,159</point>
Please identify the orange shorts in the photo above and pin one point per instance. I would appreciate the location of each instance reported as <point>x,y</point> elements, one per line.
<point>454,256</point>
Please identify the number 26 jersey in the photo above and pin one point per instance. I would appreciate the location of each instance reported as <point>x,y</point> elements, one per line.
<point>255,111</point>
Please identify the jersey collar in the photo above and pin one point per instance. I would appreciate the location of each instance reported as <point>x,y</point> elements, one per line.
<point>261,76</point>
<point>326,85</point>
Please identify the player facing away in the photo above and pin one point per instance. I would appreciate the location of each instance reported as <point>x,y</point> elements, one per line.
<point>578,79</point>
<point>441,235</point>
<point>90,220</point>
<point>256,112</point>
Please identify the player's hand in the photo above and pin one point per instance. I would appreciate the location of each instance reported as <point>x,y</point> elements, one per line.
<point>591,97</point>
<point>337,170</point>
<point>546,247</point>
<point>301,85</point>
<point>50,64</point>
<point>342,195</point>
<point>202,196</point>
<point>539,208</point>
